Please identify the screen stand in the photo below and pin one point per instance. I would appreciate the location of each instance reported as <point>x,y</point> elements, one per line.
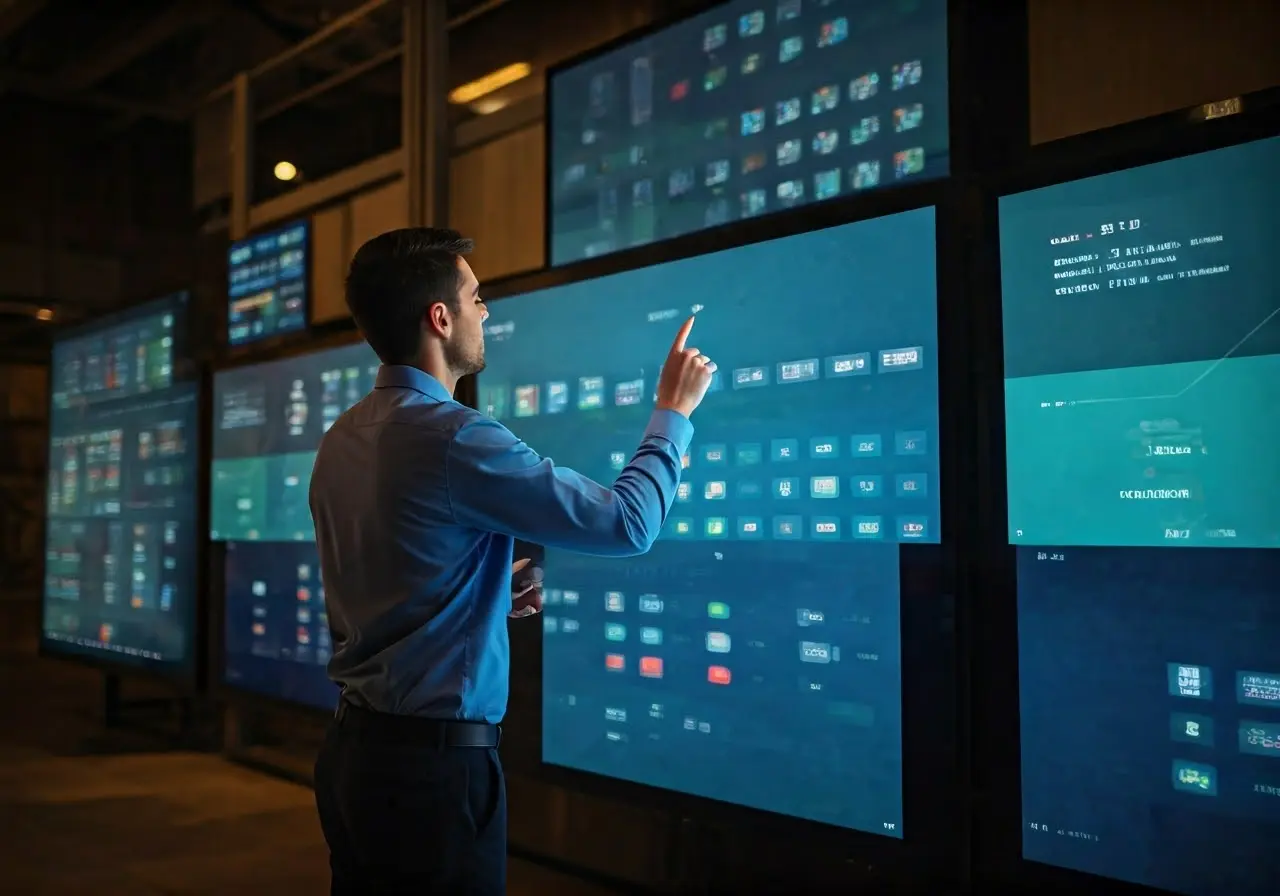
<point>247,739</point>
<point>169,717</point>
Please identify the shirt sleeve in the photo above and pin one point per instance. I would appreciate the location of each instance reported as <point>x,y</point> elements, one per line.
<point>497,482</point>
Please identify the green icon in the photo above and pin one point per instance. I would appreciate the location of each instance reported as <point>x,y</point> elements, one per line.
<point>718,610</point>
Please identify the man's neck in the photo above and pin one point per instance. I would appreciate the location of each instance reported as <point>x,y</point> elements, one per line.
<point>438,369</point>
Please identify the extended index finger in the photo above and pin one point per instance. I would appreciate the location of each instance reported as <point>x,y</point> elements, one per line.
<point>682,336</point>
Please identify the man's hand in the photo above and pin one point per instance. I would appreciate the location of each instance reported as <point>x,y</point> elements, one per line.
<point>686,374</point>
<point>526,599</point>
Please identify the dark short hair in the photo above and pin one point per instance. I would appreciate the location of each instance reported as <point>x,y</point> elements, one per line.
<point>395,277</point>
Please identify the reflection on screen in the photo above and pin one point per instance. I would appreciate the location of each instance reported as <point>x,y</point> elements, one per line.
<point>276,632</point>
<point>1142,355</point>
<point>753,655</point>
<point>267,284</point>
<point>748,109</point>
<point>268,420</point>
<point>1151,715</point>
<point>120,545</point>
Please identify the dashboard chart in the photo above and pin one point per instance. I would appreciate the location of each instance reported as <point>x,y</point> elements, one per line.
<point>1142,362</point>
<point>121,533</point>
<point>1142,355</point>
<point>268,421</point>
<point>753,655</point>
<point>268,284</point>
<point>748,109</point>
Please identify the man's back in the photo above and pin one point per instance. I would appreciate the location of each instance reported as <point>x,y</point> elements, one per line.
<point>415,600</point>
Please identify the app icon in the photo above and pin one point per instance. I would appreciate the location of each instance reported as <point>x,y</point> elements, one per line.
<point>614,631</point>
<point>615,662</point>
<point>718,610</point>
<point>650,667</point>
<point>719,675</point>
<point>718,642</point>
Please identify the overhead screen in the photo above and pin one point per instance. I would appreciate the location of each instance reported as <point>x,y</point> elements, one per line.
<point>753,655</point>
<point>268,284</point>
<point>1142,356</point>
<point>268,420</point>
<point>120,545</point>
<point>748,109</point>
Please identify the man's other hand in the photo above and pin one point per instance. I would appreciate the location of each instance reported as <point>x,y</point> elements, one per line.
<point>526,598</point>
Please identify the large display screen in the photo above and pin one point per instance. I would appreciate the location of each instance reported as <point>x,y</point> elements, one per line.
<point>752,656</point>
<point>1142,356</point>
<point>267,284</point>
<point>747,109</point>
<point>121,536</point>
<point>268,420</point>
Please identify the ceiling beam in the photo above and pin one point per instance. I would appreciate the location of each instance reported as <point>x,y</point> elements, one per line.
<point>43,88</point>
<point>131,42</point>
<point>16,13</point>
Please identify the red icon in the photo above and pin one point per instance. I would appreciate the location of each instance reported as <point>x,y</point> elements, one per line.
<point>650,667</point>
<point>615,662</point>
<point>719,675</point>
<point>679,91</point>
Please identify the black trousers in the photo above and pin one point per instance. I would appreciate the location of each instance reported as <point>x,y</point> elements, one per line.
<point>405,814</point>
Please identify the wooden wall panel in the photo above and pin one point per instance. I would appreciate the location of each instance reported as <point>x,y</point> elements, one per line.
<point>329,240</point>
<point>375,212</point>
<point>496,197</point>
<point>1095,64</point>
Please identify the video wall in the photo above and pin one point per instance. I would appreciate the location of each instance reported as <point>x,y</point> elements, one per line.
<point>121,500</point>
<point>752,656</point>
<point>268,420</point>
<point>268,282</point>
<point>1142,363</point>
<point>748,109</point>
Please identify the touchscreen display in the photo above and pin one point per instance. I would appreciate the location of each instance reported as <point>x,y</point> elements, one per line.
<point>752,656</point>
<point>745,110</point>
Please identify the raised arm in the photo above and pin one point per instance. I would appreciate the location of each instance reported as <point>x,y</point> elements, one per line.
<point>499,483</point>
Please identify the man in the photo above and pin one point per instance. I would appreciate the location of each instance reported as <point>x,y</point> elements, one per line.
<point>417,502</point>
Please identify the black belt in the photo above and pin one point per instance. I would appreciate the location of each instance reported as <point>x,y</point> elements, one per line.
<point>436,733</point>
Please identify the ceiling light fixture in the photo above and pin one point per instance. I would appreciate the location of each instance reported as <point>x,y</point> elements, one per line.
<point>503,77</point>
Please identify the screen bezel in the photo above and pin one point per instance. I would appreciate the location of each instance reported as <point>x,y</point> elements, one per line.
<point>253,348</point>
<point>338,334</point>
<point>934,815</point>
<point>996,707</point>
<point>189,674</point>
<point>672,20</point>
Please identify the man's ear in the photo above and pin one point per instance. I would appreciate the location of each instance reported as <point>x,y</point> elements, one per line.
<point>438,319</point>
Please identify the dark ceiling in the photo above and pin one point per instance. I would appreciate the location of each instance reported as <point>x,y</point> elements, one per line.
<point>158,59</point>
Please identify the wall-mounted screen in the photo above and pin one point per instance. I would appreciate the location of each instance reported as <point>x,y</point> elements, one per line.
<point>1142,359</point>
<point>121,537</point>
<point>268,281</point>
<point>268,420</point>
<point>752,656</point>
<point>748,109</point>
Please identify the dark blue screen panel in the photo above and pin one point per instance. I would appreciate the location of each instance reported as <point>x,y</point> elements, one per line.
<point>1151,715</point>
<point>268,284</point>
<point>753,655</point>
<point>268,420</point>
<point>121,537</point>
<point>1142,354</point>
<point>276,634</point>
<point>1142,361</point>
<point>748,109</point>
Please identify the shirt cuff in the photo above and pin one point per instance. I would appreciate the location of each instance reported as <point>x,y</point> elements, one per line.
<point>673,426</point>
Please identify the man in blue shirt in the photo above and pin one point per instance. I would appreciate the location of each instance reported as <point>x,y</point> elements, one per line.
<point>417,501</point>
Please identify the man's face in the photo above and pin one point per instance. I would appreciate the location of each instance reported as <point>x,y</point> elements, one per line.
<point>465,347</point>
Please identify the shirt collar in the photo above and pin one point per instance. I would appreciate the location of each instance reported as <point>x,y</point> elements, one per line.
<point>401,376</point>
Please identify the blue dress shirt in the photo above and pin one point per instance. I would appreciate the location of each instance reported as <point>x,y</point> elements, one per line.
<point>417,501</point>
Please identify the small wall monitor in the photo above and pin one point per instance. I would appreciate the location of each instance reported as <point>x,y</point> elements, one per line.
<point>748,109</point>
<point>268,284</point>
<point>1142,363</point>
<point>122,530</point>
<point>268,420</point>
<point>753,655</point>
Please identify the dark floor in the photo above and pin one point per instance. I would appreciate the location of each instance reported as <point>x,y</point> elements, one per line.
<point>87,811</point>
